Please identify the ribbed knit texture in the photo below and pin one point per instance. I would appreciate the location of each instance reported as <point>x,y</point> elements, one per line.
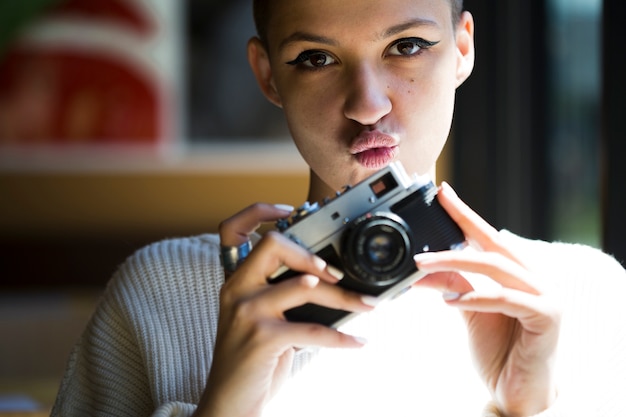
<point>148,348</point>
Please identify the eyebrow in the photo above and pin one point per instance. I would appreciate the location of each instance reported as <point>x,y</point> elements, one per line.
<point>307,37</point>
<point>413,23</point>
<point>393,30</point>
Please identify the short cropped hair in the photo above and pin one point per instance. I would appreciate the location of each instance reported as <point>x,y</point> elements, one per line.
<point>261,11</point>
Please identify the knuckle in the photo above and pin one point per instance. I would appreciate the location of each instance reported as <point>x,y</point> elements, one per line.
<point>273,236</point>
<point>270,240</point>
<point>242,310</point>
<point>227,294</point>
<point>254,327</point>
<point>226,224</point>
<point>223,227</point>
<point>316,331</point>
<point>245,313</point>
<point>307,282</point>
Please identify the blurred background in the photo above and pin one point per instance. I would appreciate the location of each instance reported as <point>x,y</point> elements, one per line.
<point>127,121</point>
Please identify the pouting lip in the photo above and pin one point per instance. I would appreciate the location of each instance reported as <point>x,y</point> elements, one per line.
<point>377,158</point>
<point>372,140</point>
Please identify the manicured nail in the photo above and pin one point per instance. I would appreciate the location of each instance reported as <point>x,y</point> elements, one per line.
<point>370,300</point>
<point>319,263</point>
<point>336,272</point>
<point>284,207</point>
<point>447,188</point>
<point>360,340</point>
<point>451,296</point>
<point>311,280</point>
<point>423,256</point>
<point>425,261</point>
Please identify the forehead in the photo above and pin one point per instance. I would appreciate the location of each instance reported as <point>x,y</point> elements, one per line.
<point>351,17</point>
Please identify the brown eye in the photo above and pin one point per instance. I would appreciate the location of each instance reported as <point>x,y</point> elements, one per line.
<point>313,59</point>
<point>318,60</point>
<point>409,46</point>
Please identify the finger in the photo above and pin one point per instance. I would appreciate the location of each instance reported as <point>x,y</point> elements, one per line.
<point>499,268</point>
<point>235,230</point>
<point>276,251</point>
<point>535,314</point>
<point>303,335</point>
<point>475,228</point>
<point>303,289</point>
<point>448,282</point>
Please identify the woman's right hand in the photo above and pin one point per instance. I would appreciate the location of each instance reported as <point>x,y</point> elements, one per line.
<point>255,345</point>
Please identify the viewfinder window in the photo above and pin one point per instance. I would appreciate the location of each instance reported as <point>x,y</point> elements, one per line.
<point>383,185</point>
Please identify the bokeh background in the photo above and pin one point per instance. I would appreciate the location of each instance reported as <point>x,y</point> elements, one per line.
<point>127,121</point>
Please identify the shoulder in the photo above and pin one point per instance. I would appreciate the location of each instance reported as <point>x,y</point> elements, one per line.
<point>173,253</point>
<point>170,269</point>
<point>164,298</point>
<point>172,248</point>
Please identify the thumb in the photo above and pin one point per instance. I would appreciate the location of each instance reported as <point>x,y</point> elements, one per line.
<point>236,229</point>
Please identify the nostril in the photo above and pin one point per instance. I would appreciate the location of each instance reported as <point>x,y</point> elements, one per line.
<point>368,107</point>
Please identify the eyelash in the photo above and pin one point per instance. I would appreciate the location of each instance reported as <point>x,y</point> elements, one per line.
<point>420,43</point>
<point>304,57</point>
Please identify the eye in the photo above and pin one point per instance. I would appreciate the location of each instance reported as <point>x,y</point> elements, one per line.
<point>313,60</point>
<point>409,46</point>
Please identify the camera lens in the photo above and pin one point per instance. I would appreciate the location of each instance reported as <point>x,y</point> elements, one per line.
<point>380,248</point>
<point>377,249</point>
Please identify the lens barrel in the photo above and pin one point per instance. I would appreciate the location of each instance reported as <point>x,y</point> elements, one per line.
<point>377,249</point>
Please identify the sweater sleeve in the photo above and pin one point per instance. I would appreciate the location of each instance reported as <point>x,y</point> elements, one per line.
<point>148,347</point>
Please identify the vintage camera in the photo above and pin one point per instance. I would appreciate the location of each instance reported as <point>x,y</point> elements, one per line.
<point>370,232</point>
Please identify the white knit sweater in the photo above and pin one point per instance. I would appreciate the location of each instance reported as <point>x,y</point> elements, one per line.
<point>148,348</point>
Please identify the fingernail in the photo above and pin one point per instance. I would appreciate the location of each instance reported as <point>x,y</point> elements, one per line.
<point>451,296</point>
<point>336,272</point>
<point>319,263</point>
<point>423,256</point>
<point>370,300</point>
<point>447,188</point>
<point>311,280</point>
<point>284,207</point>
<point>360,340</point>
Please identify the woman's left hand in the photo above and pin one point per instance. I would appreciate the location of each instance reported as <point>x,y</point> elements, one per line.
<point>513,327</point>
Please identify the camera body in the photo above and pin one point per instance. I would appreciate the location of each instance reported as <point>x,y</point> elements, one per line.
<point>371,232</point>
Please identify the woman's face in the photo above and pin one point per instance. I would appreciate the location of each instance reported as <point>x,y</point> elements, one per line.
<point>365,82</point>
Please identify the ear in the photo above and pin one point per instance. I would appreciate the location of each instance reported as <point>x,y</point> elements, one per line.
<point>260,62</point>
<point>465,47</point>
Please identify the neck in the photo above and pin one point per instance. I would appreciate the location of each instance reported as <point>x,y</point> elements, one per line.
<point>318,189</point>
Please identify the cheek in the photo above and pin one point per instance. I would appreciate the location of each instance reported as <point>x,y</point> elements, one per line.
<point>426,110</point>
<point>310,110</point>
<point>425,105</point>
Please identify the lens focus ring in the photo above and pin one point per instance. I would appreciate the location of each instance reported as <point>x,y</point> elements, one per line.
<point>377,249</point>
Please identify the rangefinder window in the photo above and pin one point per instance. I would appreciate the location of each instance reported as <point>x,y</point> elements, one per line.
<point>383,185</point>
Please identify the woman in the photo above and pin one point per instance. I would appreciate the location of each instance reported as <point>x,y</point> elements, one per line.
<point>362,83</point>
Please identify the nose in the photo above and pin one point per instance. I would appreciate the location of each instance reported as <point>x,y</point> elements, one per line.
<point>368,98</point>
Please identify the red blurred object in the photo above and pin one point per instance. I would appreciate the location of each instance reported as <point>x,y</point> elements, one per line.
<point>66,97</point>
<point>121,12</point>
<point>53,93</point>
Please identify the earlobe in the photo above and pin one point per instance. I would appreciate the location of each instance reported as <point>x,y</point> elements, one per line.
<point>260,63</point>
<point>465,47</point>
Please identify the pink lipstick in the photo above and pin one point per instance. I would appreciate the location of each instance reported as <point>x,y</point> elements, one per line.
<point>374,150</point>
